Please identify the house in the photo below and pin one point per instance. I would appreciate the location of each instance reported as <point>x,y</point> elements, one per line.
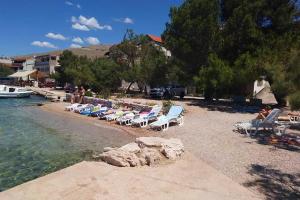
<point>47,63</point>
<point>158,42</point>
<point>6,61</point>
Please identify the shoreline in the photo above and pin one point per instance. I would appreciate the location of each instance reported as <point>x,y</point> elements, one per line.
<point>58,109</point>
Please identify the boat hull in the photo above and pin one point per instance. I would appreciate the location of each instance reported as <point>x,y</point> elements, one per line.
<point>16,95</point>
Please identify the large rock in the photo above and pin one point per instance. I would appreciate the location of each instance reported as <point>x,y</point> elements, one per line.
<point>120,158</point>
<point>150,156</point>
<point>150,141</point>
<point>172,148</point>
<point>131,147</point>
<point>106,149</point>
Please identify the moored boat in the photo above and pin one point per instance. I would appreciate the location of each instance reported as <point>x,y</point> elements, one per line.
<point>7,91</point>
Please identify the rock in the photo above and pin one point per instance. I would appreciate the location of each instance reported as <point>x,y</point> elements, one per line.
<point>106,149</point>
<point>151,156</point>
<point>131,147</point>
<point>120,158</point>
<point>172,148</point>
<point>150,141</point>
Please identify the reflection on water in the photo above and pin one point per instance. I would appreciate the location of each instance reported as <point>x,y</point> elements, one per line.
<point>34,143</point>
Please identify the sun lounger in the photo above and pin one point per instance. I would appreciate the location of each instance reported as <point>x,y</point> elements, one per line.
<point>174,115</point>
<point>78,109</point>
<point>126,118</point>
<point>114,116</point>
<point>103,115</point>
<point>253,126</point>
<point>142,119</point>
<point>72,106</point>
<point>90,109</point>
<point>103,109</point>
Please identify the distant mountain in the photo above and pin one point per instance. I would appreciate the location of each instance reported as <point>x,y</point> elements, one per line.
<point>95,51</point>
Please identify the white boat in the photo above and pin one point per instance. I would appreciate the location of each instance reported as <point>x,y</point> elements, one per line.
<point>7,91</point>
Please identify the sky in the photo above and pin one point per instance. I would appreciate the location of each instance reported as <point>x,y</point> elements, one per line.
<point>32,26</point>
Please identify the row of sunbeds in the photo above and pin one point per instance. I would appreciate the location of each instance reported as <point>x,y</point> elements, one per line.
<point>140,118</point>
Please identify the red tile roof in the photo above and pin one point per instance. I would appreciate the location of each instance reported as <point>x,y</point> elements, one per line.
<point>155,38</point>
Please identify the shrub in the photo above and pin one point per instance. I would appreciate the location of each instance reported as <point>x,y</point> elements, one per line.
<point>89,93</point>
<point>294,100</point>
<point>167,105</point>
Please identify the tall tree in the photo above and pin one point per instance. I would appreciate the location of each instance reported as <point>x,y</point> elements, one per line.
<point>193,33</point>
<point>253,38</point>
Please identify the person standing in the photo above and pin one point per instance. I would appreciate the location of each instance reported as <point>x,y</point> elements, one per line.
<point>81,94</point>
<point>74,95</point>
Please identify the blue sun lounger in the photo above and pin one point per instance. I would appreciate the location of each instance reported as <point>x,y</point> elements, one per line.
<point>174,116</point>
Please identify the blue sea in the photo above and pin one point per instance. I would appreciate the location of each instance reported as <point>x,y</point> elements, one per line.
<point>34,142</point>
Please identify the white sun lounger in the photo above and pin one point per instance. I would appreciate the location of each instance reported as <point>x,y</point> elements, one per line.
<point>253,126</point>
<point>174,115</point>
<point>142,120</point>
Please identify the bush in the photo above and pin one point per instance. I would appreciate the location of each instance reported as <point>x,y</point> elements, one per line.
<point>88,94</point>
<point>294,100</point>
<point>167,105</point>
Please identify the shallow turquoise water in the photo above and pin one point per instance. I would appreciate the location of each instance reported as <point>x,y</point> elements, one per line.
<point>34,143</point>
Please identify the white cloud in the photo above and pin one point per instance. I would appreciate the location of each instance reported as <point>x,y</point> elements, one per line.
<point>56,36</point>
<point>80,27</point>
<point>75,46</point>
<point>125,20</point>
<point>90,23</point>
<point>92,40</point>
<point>43,44</point>
<point>69,3</point>
<point>78,40</point>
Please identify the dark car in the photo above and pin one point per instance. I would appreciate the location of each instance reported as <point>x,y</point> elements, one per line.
<point>168,91</point>
<point>158,92</point>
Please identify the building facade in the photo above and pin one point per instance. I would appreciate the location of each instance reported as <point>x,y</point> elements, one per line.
<point>46,63</point>
<point>6,61</point>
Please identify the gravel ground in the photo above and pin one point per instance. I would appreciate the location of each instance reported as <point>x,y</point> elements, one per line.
<point>273,172</point>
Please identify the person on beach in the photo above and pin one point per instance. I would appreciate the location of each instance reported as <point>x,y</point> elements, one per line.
<point>74,95</point>
<point>81,94</point>
<point>264,113</point>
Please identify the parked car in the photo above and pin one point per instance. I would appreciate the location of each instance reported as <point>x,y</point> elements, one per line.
<point>157,92</point>
<point>176,90</point>
<point>168,91</point>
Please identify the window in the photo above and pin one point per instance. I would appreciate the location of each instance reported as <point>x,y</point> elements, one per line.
<point>11,89</point>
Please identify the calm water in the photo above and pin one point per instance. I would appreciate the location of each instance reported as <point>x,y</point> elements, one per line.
<point>34,143</point>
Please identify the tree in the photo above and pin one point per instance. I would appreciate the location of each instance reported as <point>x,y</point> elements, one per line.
<point>107,75</point>
<point>193,33</point>
<point>5,71</point>
<point>141,61</point>
<point>74,69</point>
<point>215,78</point>
<point>252,38</point>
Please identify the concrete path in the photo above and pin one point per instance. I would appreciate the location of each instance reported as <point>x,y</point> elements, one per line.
<point>188,178</point>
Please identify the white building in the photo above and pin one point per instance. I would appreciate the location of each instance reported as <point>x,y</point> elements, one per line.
<point>6,61</point>
<point>46,63</point>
